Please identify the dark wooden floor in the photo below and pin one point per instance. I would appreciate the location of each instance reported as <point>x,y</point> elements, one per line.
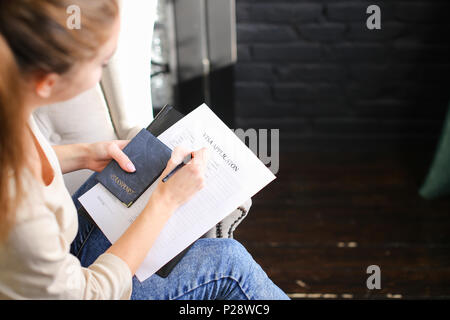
<point>328,216</point>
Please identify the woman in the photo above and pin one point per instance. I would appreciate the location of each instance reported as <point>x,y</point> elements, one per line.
<point>46,250</point>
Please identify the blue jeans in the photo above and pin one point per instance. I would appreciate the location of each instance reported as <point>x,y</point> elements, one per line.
<point>211,269</point>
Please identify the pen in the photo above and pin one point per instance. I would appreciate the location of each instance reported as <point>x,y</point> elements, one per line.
<point>181,165</point>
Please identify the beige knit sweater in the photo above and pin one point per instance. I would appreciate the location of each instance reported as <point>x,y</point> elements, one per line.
<point>35,262</point>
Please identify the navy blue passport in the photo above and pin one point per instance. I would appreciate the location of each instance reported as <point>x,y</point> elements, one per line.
<point>149,156</point>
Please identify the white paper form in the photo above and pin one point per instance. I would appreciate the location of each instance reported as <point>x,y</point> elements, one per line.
<point>233,175</point>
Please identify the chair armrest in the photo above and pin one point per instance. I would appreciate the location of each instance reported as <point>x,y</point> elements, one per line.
<point>226,227</point>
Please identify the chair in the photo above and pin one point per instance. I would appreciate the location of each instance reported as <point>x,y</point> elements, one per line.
<point>117,108</point>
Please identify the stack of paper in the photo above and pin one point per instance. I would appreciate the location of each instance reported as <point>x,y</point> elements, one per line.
<point>234,174</point>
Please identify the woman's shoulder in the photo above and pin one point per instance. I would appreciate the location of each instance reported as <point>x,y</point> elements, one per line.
<point>31,203</point>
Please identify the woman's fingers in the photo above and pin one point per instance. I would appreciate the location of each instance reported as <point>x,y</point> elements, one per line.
<point>122,159</point>
<point>176,158</point>
<point>197,166</point>
<point>201,158</point>
<point>188,180</point>
<point>198,161</point>
<point>122,143</point>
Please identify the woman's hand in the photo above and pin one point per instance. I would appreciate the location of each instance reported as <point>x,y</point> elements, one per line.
<point>136,241</point>
<point>101,153</point>
<point>188,180</point>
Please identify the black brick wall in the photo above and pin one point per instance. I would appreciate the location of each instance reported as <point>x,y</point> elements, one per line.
<point>313,69</point>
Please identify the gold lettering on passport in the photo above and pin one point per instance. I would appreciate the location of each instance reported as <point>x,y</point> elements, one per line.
<point>122,184</point>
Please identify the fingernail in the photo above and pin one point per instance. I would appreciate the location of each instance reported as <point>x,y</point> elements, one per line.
<point>131,167</point>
